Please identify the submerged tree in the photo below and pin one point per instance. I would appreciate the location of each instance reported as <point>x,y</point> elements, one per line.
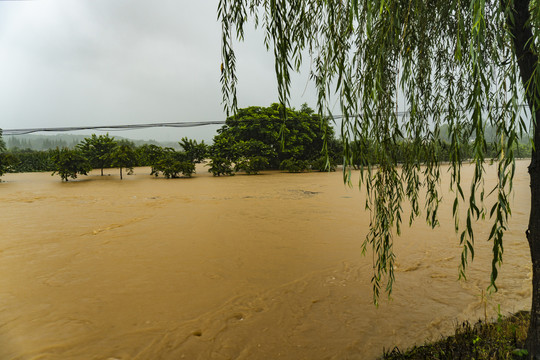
<point>7,160</point>
<point>195,152</point>
<point>172,163</point>
<point>124,156</point>
<point>99,150</point>
<point>149,155</point>
<point>69,163</point>
<point>3,163</point>
<point>258,138</point>
<point>465,64</point>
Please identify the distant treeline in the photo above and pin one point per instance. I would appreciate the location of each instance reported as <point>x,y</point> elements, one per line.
<point>39,143</point>
<point>255,139</point>
<point>443,152</point>
<point>51,142</point>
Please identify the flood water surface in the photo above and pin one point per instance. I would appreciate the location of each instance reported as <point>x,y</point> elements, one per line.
<point>243,267</point>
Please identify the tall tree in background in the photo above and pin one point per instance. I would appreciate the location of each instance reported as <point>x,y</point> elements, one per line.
<point>461,63</point>
<point>99,150</point>
<point>258,138</point>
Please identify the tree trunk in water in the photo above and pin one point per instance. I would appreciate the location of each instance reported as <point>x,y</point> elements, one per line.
<point>533,236</point>
<point>527,60</point>
<point>101,171</point>
<point>120,173</point>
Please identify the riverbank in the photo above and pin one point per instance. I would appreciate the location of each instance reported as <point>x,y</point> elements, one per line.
<point>501,339</point>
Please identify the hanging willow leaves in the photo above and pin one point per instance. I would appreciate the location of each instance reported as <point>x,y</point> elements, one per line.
<point>451,62</point>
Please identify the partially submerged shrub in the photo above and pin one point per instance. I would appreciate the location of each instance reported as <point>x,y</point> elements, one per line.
<point>172,163</point>
<point>69,163</point>
<point>294,165</point>
<point>323,164</point>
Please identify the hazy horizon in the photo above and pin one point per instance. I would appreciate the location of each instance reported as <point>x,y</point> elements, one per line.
<point>93,63</point>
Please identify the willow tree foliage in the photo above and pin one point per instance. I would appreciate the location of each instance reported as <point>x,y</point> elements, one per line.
<point>464,64</point>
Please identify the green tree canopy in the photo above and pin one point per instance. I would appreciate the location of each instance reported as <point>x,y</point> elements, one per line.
<point>99,150</point>
<point>195,152</point>
<point>466,64</point>
<point>258,138</point>
<point>172,163</point>
<point>31,160</point>
<point>149,155</point>
<point>69,163</point>
<point>6,160</point>
<point>124,156</point>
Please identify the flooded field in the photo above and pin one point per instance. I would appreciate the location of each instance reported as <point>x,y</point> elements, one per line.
<point>243,267</point>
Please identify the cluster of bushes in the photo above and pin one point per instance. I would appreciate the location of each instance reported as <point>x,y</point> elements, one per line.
<point>27,160</point>
<point>99,152</point>
<point>172,163</point>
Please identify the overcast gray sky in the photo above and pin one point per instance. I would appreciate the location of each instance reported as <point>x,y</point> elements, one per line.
<point>96,62</point>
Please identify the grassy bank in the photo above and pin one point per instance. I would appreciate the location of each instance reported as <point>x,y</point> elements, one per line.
<point>502,339</point>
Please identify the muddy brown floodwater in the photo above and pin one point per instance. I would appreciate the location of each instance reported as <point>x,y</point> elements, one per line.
<point>243,267</point>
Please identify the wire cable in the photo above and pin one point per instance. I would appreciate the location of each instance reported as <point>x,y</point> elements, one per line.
<point>111,127</point>
<point>183,124</point>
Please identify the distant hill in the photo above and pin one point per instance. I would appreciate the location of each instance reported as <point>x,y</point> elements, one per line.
<point>45,142</point>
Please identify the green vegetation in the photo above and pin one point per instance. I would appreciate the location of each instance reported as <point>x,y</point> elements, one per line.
<point>258,138</point>
<point>172,163</point>
<point>98,150</point>
<point>149,155</point>
<point>123,156</point>
<point>250,156</point>
<point>31,160</point>
<point>442,151</point>
<point>104,151</point>
<point>69,163</point>
<point>194,152</point>
<point>503,339</point>
<point>6,160</point>
<point>463,64</point>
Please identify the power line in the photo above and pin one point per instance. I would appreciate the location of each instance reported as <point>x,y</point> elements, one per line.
<point>183,124</point>
<point>112,127</point>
